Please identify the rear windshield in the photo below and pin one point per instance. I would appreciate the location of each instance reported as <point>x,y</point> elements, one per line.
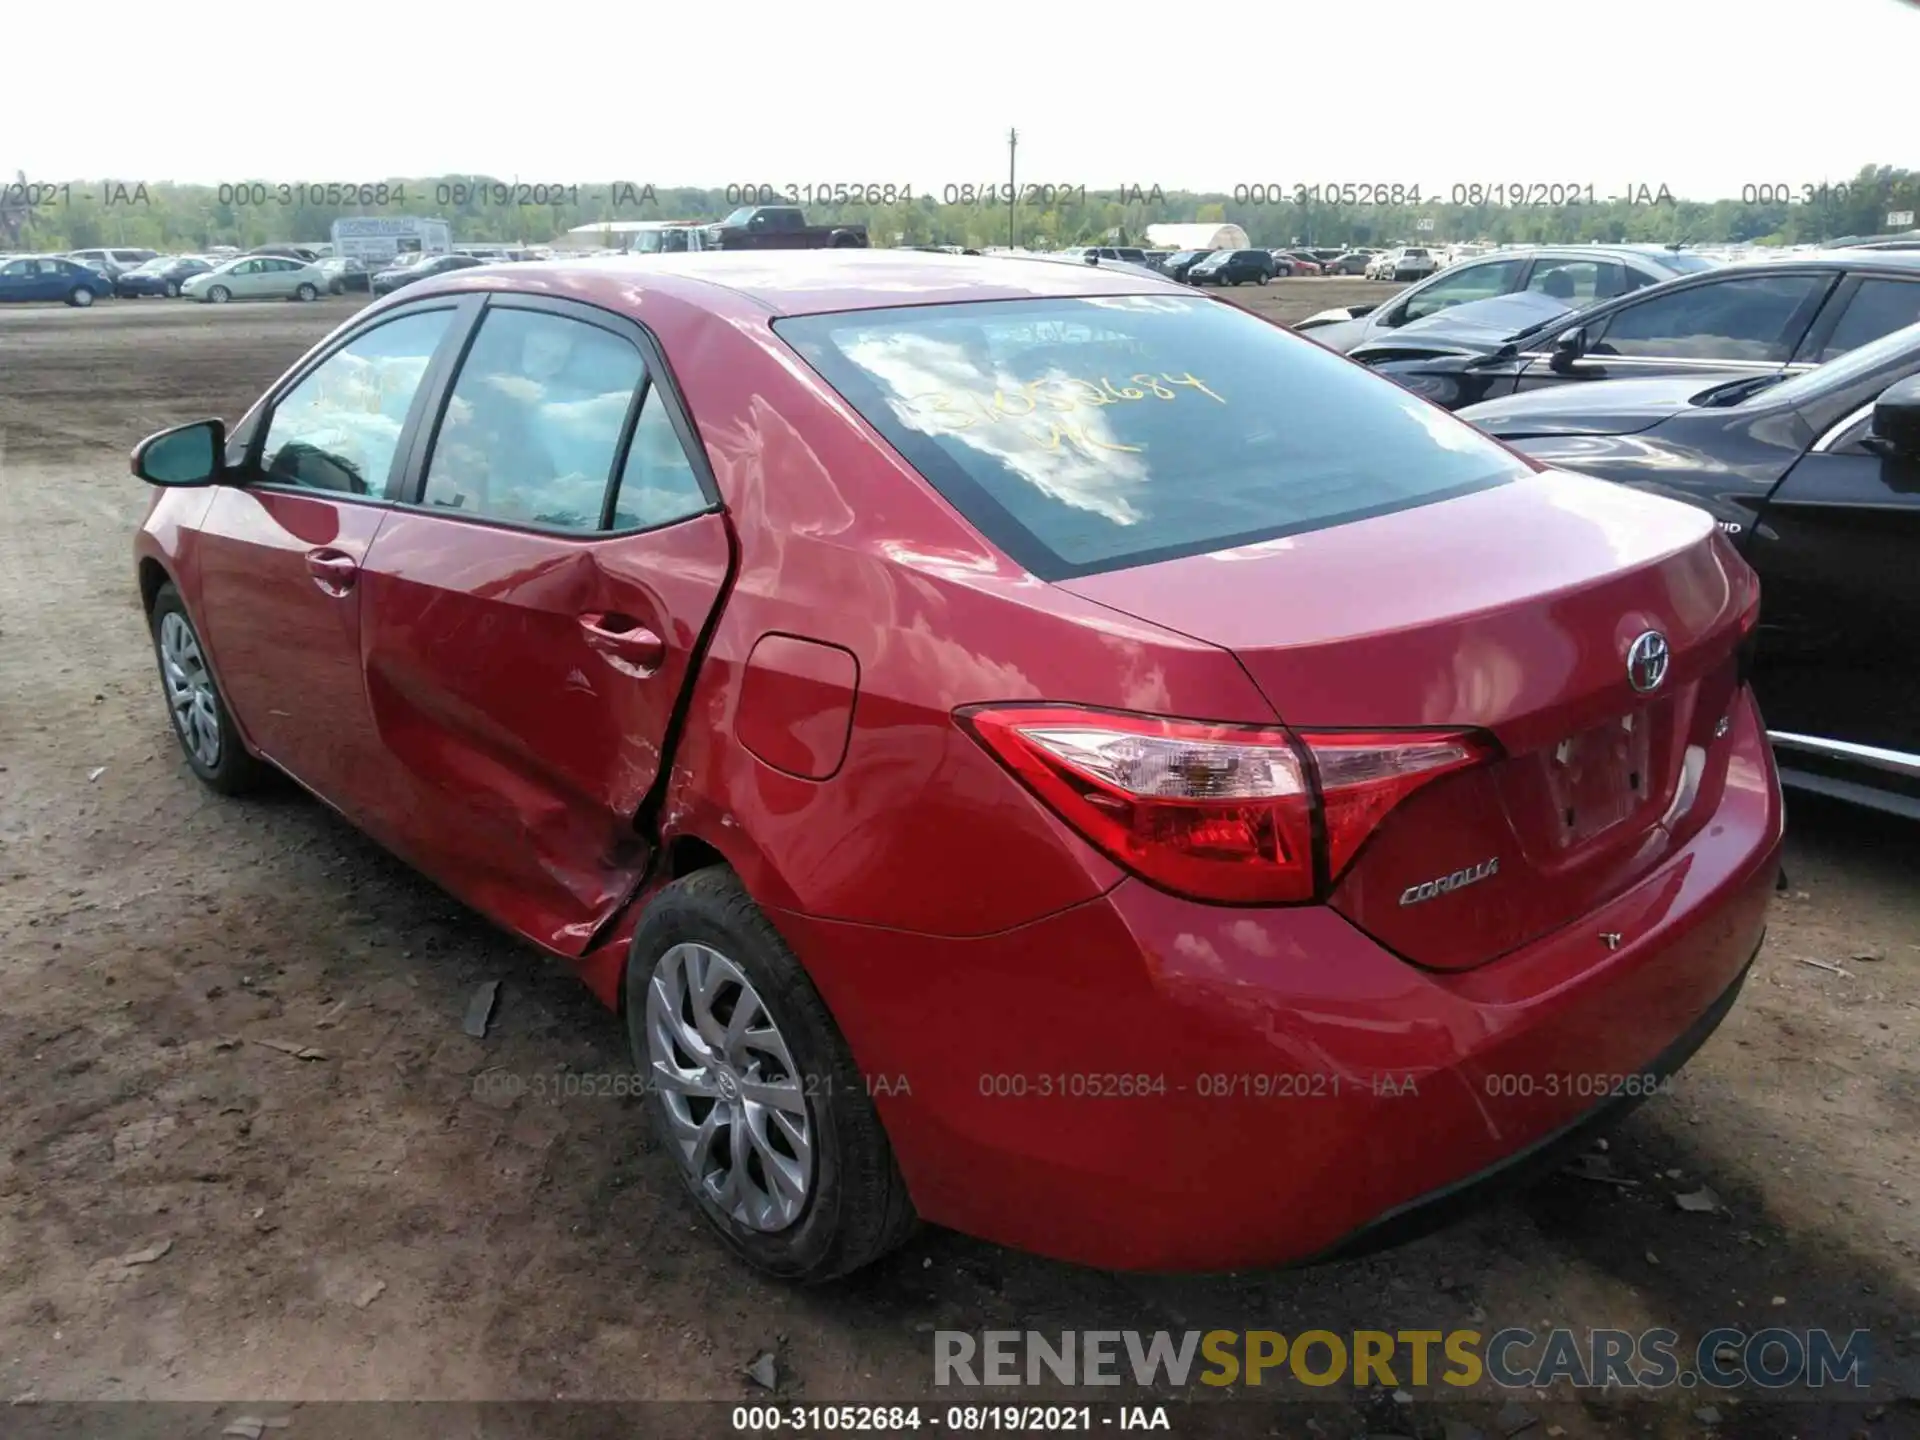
<point>1090,434</point>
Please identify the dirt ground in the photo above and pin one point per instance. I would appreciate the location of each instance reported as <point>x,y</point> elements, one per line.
<point>361,1224</point>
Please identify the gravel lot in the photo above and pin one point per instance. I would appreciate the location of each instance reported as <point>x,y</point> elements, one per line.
<point>358,1225</point>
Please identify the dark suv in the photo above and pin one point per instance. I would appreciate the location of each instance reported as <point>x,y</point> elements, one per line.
<point>1233,267</point>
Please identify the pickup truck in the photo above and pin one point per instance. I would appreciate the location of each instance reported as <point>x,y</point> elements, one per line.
<point>779,227</point>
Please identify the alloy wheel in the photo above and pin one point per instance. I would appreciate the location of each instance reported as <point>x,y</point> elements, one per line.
<point>729,1087</point>
<point>190,696</point>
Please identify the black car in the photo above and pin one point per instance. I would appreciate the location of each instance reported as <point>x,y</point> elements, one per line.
<point>391,279</point>
<point>1815,478</point>
<point>163,275</point>
<point>1232,267</point>
<point>1180,262</point>
<point>345,274</point>
<point>1765,318</point>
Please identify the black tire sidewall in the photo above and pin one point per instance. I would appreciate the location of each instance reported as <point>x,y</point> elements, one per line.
<point>706,908</point>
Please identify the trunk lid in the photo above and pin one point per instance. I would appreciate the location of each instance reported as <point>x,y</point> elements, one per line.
<point>1511,612</point>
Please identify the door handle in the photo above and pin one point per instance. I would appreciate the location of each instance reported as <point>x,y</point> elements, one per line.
<point>632,647</point>
<point>332,571</point>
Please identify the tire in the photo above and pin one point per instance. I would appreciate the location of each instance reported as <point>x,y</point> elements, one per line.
<point>219,294</point>
<point>1262,277</point>
<point>226,766</point>
<point>80,297</point>
<point>306,292</point>
<point>172,288</point>
<point>855,1206</point>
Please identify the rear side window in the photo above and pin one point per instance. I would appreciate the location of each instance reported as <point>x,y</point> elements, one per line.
<point>1878,307</point>
<point>1084,435</point>
<point>1579,283</point>
<point>657,484</point>
<point>1752,317</point>
<point>534,420</point>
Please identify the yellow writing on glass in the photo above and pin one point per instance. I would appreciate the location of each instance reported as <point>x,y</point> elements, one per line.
<point>956,410</point>
<point>1066,430</point>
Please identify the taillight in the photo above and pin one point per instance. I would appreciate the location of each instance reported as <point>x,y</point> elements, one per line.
<point>1364,775</point>
<point>1216,812</point>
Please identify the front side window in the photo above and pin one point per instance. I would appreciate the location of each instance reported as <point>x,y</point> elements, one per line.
<point>339,428</point>
<point>1743,319</point>
<point>1878,307</point>
<point>1091,434</point>
<point>534,420</point>
<point>1824,381</point>
<point>1475,282</point>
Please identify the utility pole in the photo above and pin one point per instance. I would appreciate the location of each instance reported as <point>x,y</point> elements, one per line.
<point>1013,188</point>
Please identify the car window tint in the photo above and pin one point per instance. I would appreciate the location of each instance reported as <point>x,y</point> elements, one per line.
<point>534,420</point>
<point>1579,283</point>
<point>1878,307</point>
<point>338,428</point>
<point>1736,319</point>
<point>657,484</point>
<point>18,267</point>
<point>1475,282</point>
<point>1089,434</point>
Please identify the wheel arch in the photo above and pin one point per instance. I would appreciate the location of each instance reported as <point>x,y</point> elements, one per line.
<point>153,576</point>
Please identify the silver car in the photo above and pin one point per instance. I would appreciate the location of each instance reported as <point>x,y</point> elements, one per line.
<point>1575,275</point>
<point>258,277</point>
<point>1409,262</point>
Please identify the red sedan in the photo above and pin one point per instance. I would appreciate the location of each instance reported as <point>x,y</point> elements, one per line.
<point>1024,746</point>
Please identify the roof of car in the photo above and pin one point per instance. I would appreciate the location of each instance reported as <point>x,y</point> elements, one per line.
<point>806,282</point>
<point>1848,259</point>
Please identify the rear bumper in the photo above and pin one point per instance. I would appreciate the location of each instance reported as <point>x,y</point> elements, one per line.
<point>1441,1207</point>
<point>1143,1082</point>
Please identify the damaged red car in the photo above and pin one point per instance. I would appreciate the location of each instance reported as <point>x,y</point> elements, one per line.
<point>1026,748</point>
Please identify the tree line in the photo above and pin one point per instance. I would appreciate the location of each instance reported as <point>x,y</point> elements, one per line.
<point>176,217</point>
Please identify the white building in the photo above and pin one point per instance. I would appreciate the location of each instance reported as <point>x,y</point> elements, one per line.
<point>1197,237</point>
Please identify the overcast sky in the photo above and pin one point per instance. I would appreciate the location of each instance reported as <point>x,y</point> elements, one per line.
<point>1703,96</point>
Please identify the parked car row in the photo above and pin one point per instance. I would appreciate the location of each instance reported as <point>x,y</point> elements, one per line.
<point>268,273</point>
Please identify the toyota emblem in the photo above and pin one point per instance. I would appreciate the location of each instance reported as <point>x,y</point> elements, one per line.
<point>1647,660</point>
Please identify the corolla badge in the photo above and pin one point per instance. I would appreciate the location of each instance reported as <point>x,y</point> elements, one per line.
<point>1446,884</point>
<point>1647,660</point>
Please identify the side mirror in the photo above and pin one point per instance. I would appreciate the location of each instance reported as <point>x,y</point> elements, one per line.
<point>1895,432</point>
<point>192,454</point>
<point>1568,347</point>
